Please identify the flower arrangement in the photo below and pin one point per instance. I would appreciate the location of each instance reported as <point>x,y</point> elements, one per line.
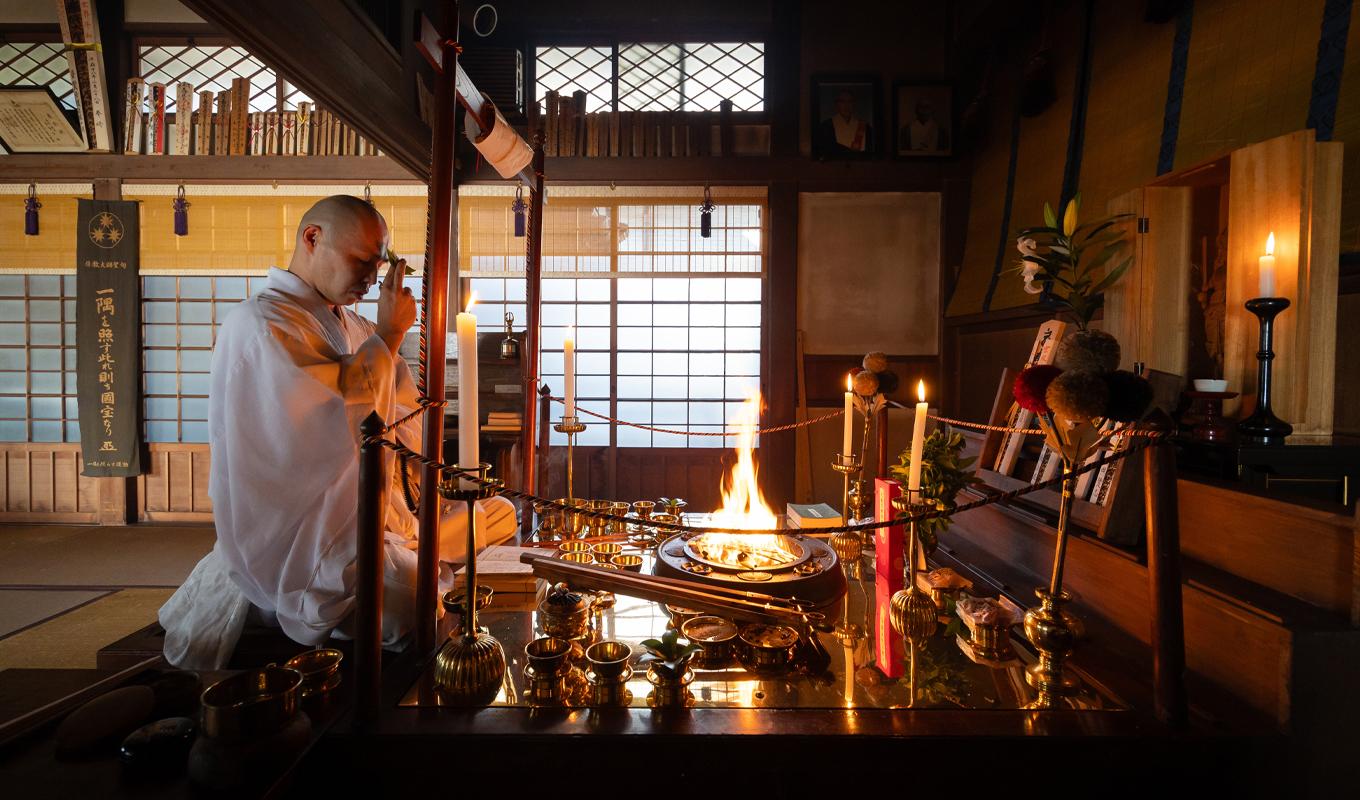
<point>943,474</point>
<point>1061,263</point>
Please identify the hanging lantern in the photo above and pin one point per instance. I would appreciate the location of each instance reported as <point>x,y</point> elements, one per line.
<point>706,214</point>
<point>181,213</point>
<point>519,207</point>
<point>31,206</point>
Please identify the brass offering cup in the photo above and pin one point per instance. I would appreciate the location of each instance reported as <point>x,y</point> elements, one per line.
<point>570,524</point>
<point>571,624</point>
<point>939,595</point>
<point>549,518</point>
<point>609,660</point>
<point>320,670</point>
<point>770,646</point>
<point>993,642</point>
<point>606,550</point>
<point>679,616</point>
<point>251,705</point>
<point>619,510</point>
<point>629,562</point>
<point>455,600</point>
<point>598,526</point>
<point>670,690</point>
<point>663,517</point>
<point>579,558</point>
<point>548,655</point>
<point>574,546</point>
<point>715,636</point>
<point>644,509</point>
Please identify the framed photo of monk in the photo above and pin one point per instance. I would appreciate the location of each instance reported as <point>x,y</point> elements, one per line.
<point>846,117</point>
<point>923,120</point>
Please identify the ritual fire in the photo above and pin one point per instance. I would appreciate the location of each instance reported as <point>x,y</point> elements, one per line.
<point>788,565</point>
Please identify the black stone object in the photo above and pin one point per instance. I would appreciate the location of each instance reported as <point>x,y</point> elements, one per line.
<point>162,745</point>
<point>1263,425</point>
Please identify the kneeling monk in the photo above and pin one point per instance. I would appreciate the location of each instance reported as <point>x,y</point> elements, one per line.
<point>294,372</point>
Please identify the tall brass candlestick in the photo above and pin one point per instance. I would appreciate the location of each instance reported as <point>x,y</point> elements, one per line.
<point>570,426</point>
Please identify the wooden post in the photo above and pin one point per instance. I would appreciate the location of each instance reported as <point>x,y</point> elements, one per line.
<point>436,327</point>
<point>532,343</point>
<point>1355,572</point>
<point>369,597</point>
<point>1164,584</point>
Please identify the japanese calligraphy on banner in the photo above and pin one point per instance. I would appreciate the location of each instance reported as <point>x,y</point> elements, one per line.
<point>108,358</point>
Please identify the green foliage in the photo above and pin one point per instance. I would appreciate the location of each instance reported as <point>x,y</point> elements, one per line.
<point>668,652</point>
<point>1076,287</point>
<point>943,474</point>
<point>939,677</point>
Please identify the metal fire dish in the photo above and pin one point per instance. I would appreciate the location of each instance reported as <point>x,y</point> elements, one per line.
<point>791,554</point>
<point>810,572</point>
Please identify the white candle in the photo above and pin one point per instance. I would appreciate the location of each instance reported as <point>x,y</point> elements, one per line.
<point>1267,275</point>
<point>918,439</point>
<point>569,367</point>
<point>469,451</point>
<point>846,447</point>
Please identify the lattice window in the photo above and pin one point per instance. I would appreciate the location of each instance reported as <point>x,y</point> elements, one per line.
<point>651,77</point>
<point>571,69</point>
<point>715,71</point>
<point>38,359</point>
<point>212,69</point>
<point>37,64</point>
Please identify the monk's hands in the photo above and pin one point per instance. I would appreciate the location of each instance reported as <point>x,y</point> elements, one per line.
<point>396,307</point>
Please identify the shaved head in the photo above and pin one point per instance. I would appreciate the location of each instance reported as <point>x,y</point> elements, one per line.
<point>341,241</point>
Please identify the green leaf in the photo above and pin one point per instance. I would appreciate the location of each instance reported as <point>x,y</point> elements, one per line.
<point>652,644</point>
<point>1029,233</point>
<point>1112,276</point>
<point>1050,220</point>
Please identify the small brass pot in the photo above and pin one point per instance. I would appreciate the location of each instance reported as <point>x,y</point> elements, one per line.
<point>668,689</point>
<point>251,705</point>
<point>606,550</point>
<point>769,646</point>
<point>549,518</point>
<point>715,636</point>
<point>619,510</point>
<point>609,660</point>
<point>320,670</point>
<point>569,624</point>
<point>579,558</point>
<point>548,655</point>
<point>663,517</point>
<point>629,562</point>
<point>570,524</point>
<point>644,509</point>
<point>455,600</point>
<point>598,526</point>
<point>993,642</point>
<point>574,546</point>
<point>679,616</point>
<point>939,595</point>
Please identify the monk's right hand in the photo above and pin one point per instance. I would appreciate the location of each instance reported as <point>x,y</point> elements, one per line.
<point>396,307</point>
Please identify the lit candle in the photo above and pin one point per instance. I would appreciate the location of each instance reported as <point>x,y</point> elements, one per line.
<point>846,446</point>
<point>1267,276</point>
<point>918,438</point>
<point>469,453</point>
<point>569,366</point>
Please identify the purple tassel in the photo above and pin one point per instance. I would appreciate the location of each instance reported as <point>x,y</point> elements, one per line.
<point>181,214</point>
<point>31,206</point>
<point>706,215</point>
<point>519,207</point>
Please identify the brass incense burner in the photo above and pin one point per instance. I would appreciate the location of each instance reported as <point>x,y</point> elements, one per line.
<point>470,667</point>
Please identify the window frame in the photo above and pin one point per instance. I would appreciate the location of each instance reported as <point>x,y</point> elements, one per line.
<point>69,420</point>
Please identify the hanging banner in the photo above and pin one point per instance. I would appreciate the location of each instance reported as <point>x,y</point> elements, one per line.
<point>108,313</point>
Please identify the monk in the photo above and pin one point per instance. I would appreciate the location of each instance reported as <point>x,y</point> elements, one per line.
<point>294,372</point>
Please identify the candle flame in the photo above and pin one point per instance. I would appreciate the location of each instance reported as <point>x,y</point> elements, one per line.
<point>849,382</point>
<point>921,391</point>
<point>472,301</point>
<point>1270,244</point>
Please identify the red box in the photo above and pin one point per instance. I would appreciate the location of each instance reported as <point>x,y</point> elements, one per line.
<point>889,559</point>
<point>889,650</point>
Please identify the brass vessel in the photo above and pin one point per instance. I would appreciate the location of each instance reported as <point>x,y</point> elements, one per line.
<point>1055,633</point>
<point>914,614</point>
<point>252,704</point>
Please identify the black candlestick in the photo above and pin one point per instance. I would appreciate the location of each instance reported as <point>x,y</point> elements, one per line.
<point>1263,424</point>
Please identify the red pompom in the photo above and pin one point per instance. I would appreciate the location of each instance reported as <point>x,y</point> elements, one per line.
<point>1031,385</point>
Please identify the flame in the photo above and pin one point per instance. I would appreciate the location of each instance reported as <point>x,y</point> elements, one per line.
<point>472,301</point>
<point>921,391</point>
<point>1270,244</point>
<point>849,382</point>
<point>743,507</point>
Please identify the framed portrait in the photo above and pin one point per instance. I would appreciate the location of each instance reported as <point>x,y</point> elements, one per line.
<point>847,118</point>
<point>33,121</point>
<point>923,120</point>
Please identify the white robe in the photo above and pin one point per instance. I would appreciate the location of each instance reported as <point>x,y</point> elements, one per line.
<point>290,384</point>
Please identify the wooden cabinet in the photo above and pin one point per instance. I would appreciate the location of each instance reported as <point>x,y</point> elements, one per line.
<point>1148,310</point>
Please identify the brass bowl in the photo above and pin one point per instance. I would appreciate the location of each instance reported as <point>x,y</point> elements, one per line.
<point>663,517</point>
<point>549,518</point>
<point>606,550</point>
<point>609,659</point>
<point>579,558</point>
<point>714,635</point>
<point>770,646</point>
<point>599,526</point>
<point>619,510</point>
<point>679,616</point>
<point>644,509</point>
<point>570,523</point>
<point>629,562</point>
<point>572,624</point>
<point>317,667</point>
<point>574,546</point>
<point>252,704</point>
<point>455,600</point>
<point>547,655</point>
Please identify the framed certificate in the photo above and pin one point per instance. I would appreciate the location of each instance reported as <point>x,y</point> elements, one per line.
<point>32,121</point>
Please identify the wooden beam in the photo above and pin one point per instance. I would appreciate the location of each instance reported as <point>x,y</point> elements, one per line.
<point>80,167</point>
<point>1164,587</point>
<point>334,54</point>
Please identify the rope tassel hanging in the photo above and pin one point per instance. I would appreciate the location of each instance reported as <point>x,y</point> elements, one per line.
<point>181,213</point>
<point>706,214</point>
<point>31,206</point>
<point>519,207</point>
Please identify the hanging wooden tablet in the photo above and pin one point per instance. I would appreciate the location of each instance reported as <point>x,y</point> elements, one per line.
<point>155,127</point>
<point>256,133</point>
<point>566,125</point>
<point>203,142</point>
<point>85,59</point>
<point>304,129</point>
<point>132,115</point>
<point>240,116</point>
<point>184,118</point>
<point>551,109</point>
<point>1044,349</point>
<point>222,125</point>
<point>288,133</point>
<point>272,132</point>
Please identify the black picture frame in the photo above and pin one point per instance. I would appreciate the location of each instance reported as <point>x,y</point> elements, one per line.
<point>828,139</point>
<point>938,97</point>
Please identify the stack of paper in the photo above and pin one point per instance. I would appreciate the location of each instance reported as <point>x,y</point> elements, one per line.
<point>502,421</point>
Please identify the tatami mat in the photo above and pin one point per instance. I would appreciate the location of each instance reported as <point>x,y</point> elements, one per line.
<point>20,608</point>
<point>94,557</point>
<point>72,640</point>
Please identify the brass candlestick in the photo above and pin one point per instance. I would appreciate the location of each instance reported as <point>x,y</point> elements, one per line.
<point>846,465</point>
<point>1053,631</point>
<point>570,426</point>
<point>470,667</point>
<point>913,612</point>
